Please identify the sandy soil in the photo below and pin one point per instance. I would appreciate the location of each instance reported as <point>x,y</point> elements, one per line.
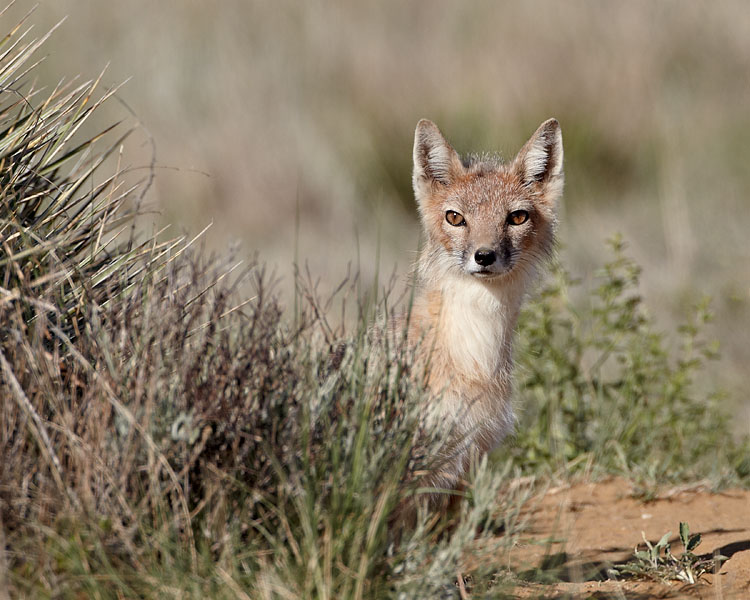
<point>584,528</point>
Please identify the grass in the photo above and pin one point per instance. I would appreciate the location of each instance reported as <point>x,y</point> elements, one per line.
<point>165,436</point>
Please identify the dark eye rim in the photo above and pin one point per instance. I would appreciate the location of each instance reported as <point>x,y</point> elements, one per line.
<point>461,223</point>
<point>523,213</point>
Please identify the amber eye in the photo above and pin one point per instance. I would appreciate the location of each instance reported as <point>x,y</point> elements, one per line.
<point>454,218</point>
<point>518,217</point>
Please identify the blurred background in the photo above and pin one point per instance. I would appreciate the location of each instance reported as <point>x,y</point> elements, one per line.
<point>289,126</point>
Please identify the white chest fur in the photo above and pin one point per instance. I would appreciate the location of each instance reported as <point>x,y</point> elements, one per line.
<point>476,326</point>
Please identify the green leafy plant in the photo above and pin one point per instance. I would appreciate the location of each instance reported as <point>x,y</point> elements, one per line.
<point>657,562</point>
<point>600,387</point>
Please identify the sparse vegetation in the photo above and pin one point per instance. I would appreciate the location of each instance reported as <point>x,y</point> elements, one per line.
<point>164,437</point>
<point>657,561</point>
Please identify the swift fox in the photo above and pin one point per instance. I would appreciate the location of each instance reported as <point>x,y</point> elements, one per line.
<point>488,228</point>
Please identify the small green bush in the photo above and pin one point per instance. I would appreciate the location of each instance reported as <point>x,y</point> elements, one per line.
<point>599,387</point>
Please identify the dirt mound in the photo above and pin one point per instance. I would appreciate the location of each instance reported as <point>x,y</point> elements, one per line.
<point>578,532</point>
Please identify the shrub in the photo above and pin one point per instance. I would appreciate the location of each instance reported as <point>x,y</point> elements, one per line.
<point>601,387</point>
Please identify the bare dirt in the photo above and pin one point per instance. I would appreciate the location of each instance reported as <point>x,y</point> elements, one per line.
<point>578,531</point>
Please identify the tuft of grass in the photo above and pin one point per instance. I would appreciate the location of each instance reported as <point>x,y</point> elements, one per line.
<point>658,563</point>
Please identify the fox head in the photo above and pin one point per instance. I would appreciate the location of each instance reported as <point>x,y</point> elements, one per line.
<point>485,219</point>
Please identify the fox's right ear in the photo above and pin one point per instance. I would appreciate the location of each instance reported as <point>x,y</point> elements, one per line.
<point>435,160</point>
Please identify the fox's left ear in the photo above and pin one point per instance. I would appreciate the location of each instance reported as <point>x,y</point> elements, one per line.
<point>540,162</point>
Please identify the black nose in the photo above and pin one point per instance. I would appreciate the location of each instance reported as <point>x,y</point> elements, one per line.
<point>485,257</point>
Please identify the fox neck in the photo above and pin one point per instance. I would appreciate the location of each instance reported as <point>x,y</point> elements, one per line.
<point>473,321</point>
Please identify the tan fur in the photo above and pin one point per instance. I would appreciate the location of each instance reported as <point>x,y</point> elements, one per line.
<point>464,313</point>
